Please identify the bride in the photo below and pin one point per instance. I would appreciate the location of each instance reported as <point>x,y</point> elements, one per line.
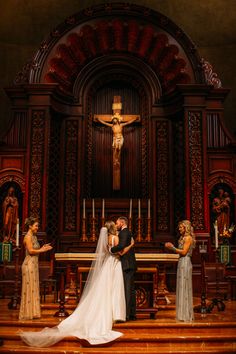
<point>101,304</point>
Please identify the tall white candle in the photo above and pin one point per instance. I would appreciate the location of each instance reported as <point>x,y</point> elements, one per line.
<point>103,208</point>
<point>83,208</point>
<point>17,233</point>
<point>139,208</point>
<point>216,234</point>
<point>130,209</point>
<point>93,209</point>
<point>149,208</point>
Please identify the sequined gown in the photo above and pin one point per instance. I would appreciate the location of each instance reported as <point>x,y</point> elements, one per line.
<point>184,293</point>
<point>30,294</point>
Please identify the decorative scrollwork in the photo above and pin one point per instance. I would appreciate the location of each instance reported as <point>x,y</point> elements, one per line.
<point>162,176</point>
<point>71,167</point>
<point>196,169</point>
<point>210,77</point>
<point>37,160</point>
<point>141,296</point>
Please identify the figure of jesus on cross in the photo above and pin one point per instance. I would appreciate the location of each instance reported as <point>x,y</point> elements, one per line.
<point>116,122</point>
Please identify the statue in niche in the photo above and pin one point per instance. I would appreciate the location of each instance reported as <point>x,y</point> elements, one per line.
<point>10,208</point>
<point>221,209</point>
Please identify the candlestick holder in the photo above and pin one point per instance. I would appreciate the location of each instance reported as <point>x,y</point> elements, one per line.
<point>15,300</point>
<point>130,224</point>
<point>93,230</point>
<point>103,220</point>
<point>139,237</point>
<point>148,237</point>
<point>84,236</point>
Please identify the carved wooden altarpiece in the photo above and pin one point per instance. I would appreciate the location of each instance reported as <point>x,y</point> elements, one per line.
<point>174,156</point>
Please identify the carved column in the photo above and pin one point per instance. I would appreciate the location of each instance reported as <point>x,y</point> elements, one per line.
<point>195,155</point>
<point>38,151</point>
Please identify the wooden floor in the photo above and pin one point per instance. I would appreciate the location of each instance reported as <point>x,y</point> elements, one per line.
<point>211,333</point>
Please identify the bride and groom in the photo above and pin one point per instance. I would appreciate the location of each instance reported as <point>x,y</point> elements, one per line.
<point>108,295</point>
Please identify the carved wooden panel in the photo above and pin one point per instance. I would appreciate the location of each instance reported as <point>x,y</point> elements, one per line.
<point>71,170</point>
<point>17,135</point>
<point>196,169</point>
<point>99,149</point>
<point>216,136</point>
<point>36,163</point>
<point>162,175</point>
<point>178,153</point>
<point>12,162</point>
<point>53,205</point>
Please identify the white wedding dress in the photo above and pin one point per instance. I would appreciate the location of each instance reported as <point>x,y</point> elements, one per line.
<point>102,303</point>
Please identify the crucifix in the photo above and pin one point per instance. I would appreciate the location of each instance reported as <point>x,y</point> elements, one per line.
<point>116,122</point>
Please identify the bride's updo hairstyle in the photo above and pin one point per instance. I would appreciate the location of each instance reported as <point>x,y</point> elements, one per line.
<point>30,221</point>
<point>111,227</point>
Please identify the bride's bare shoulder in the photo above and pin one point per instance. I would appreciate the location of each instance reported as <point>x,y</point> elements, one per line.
<point>113,237</point>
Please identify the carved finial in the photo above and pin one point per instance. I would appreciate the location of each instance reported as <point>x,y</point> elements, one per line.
<point>210,77</point>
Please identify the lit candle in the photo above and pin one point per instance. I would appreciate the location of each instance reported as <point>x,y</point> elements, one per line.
<point>149,208</point>
<point>17,233</point>
<point>103,208</point>
<point>83,208</point>
<point>139,209</point>
<point>93,209</point>
<point>216,234</point>
<point>130,209</point>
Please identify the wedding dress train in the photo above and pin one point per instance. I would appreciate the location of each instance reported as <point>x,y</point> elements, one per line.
<point>102,303</point>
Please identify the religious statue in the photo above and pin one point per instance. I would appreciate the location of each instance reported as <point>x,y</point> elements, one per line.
<point>221,209</point>
<point>10,215</point>
<point>118,139</point>
<point>116,122</point>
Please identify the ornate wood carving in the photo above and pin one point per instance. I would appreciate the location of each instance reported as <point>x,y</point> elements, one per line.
<point>20,180</point>
<point>134,156</point>
<point>162,148</point>
<point>178,153</point>
<point>71,170</point>
<point>196,169</point>
<point>138,34</point>
<point>36,163</point>
<point>210,77</point>
<point>54,179</point>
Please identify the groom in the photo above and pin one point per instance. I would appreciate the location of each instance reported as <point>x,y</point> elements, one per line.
<point>129,266</point>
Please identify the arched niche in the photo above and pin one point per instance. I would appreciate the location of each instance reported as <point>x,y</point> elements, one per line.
<point>118,29</point>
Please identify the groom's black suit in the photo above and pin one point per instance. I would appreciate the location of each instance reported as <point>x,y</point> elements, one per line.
<point>129,267</point>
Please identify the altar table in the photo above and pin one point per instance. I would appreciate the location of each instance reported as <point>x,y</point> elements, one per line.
<point>150,291</point>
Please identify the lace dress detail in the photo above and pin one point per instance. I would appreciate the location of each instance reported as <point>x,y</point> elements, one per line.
<point>30,294</point>
<point>184,293</point>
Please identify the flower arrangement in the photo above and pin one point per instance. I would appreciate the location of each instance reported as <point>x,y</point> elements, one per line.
<point>228,233</point>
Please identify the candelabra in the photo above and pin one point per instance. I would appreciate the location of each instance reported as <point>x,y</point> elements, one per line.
<point>148,237</point>
<point>84,237</point>
<point>130,224</point>
<point>93,230</point>
<point>139,238</point>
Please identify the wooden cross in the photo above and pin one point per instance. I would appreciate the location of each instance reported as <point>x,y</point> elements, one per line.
<point>116,122</point>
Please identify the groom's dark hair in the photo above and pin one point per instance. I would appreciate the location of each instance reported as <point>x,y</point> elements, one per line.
<point>124,219</point>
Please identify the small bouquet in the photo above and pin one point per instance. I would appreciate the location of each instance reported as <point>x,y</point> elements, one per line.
<point>228,233</point>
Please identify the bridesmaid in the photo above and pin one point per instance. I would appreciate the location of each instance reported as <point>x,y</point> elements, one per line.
<point>30,295</point>
<point>184,293</point>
